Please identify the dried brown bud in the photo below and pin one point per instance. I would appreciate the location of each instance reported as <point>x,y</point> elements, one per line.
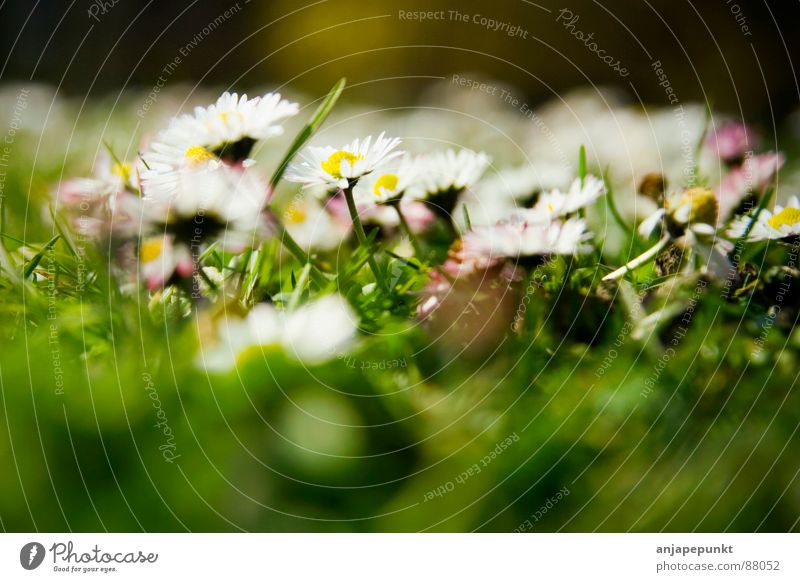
<point>653,185</point>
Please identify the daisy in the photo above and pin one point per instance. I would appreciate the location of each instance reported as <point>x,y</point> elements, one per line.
<point>108,178</point>
<point>386,187</point>
<point>442,176</point>
<point>483,246</point>
<point>204,199</point>
<point>581,194</point>
<point>312,226</point>
<point>161,258</point>
<point>495,197</point>
<point>314,333</point>
<point>783,222</point>
<point>688,220</point>
<point>105,204</point>
<point>231,126</point>
<point>340,169</point>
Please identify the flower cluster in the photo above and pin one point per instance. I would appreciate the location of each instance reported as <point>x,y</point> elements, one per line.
<point>206,227</point>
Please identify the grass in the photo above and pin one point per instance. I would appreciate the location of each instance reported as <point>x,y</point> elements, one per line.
<point>681,418</point>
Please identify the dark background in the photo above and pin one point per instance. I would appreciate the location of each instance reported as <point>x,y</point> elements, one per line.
<point>308,44</point>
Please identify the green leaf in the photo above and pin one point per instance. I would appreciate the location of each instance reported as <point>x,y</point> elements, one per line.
<point>467,220</point>
<point>37,258</point>
<point>319,117</point>
<point>612,206</point>
<point>582,165</point>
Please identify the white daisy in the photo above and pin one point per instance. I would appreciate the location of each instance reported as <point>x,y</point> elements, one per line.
<point>314,333</point>
<point>231,125</point>
<point>484,245</point>
<point>446,172</point>
<point>107,203</point>
<point>164,166</point>
<point>337,169</point>
<point>555,203</point>
<point>782,222</point>
<point>208,198</point>
<point>387,185</point>
<point>161,257</point>
<point>312,226</point>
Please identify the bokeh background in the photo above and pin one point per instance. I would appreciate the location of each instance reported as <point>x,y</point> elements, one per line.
<point>735,55</point>
<point>279,448</point>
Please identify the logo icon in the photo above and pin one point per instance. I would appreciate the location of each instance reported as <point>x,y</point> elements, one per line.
<point>31,555</point>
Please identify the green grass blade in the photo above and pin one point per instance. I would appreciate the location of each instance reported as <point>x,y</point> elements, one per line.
<point>37,258</point>
<point>319,117</point>
<point>582,165</point>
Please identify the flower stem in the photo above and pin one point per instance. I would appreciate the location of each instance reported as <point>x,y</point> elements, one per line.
<point>362,237</point>
<point>645,257</point>
<point>291,245</point>
<point>409,233</point>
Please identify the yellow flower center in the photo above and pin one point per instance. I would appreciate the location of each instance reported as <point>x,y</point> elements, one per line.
<point>198,154</point>
<point>704,205</point>
<point>295,213</point>
<point>122,170</point>
<point>385,182</point>
<point>333,165</point>
<point>151,249</point>
<point>786,217</point>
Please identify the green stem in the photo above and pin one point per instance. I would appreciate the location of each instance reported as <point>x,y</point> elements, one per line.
<point>409,233</point>
<point>362,237</point>
<point>291,245</point>
<point>645,257</point>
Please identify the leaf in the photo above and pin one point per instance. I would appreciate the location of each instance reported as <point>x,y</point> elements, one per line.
<point>612,206</point>
<point>37,258</point>
<point>319,117</point>
<point>467,220</point>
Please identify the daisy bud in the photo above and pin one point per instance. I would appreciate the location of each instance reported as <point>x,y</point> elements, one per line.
<point>653,186</point>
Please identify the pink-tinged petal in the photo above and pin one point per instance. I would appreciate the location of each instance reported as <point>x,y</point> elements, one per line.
<point>731,141</point>
<point>753,176</point>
